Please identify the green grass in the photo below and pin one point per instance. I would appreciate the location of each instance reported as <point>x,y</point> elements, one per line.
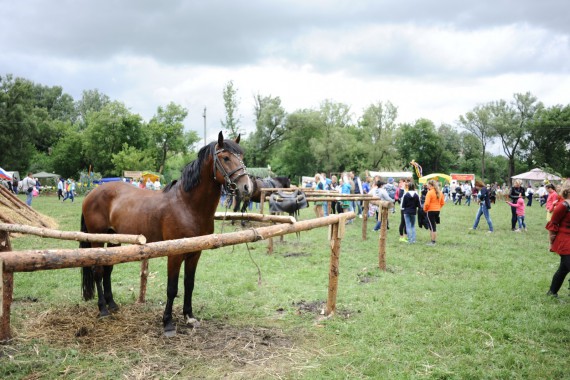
<point>473,307</point>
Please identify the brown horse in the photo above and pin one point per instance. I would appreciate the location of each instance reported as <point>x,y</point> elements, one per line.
<point>255,192</point>
<point>185,208</point>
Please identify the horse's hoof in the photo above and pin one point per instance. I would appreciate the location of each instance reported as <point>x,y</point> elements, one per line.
<point>191,321</point>
<point>104,314</point>
<point>169,333</point>
<point>113,307</point>
<point>169,330</point>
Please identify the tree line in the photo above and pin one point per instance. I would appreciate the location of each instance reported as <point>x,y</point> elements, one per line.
<point>44,128</point>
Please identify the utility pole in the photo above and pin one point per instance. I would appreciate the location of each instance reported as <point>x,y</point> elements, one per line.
<point>204,116</point>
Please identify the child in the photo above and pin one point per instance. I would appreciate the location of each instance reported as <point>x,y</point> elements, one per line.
<point>520,212</point>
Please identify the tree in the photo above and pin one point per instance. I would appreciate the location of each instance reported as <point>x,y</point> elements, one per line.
<point>549,140</point>
<point>478,122</point>
<point>270,129</point>
<point>420,142</point>
<point>166,131</point>
<point>378,124</point>
<point>17,121</point>
<point>91,101</point>
<point>511,122</point>
<point>131,158</point>
<point>231,103</point>
<point>66,156</point>
<point>107,130</point>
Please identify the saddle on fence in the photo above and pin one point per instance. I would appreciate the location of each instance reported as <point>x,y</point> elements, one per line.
<point>287,202</point>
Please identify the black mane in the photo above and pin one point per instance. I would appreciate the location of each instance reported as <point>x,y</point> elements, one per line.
<point>190,177</point>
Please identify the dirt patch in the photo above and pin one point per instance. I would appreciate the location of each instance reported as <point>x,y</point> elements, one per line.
<point>296,254</point>
<point>138,329</point>
<point>317,308</point>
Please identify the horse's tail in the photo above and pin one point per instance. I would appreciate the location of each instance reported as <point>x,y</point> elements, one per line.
<point>87,281</point>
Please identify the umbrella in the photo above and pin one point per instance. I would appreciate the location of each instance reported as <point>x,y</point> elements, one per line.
<point>4,175</point>
<point>537,175</point>
<point>436,176</point>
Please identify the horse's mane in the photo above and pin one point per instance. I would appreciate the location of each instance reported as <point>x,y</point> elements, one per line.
<point>190,177</point>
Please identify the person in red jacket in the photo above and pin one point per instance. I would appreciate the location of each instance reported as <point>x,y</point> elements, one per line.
<point>432,205</point>
<point>559,232</point>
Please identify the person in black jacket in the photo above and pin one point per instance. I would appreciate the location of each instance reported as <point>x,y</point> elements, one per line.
<point>516,191</point>
<point>410,207</point>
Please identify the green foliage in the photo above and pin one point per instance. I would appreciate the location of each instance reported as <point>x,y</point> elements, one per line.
<point>231,104</point>
<point>166,133</point>
<point>378,125</point>
<point>270,130</point>
<point>107,130</point>
<point>131,158</point>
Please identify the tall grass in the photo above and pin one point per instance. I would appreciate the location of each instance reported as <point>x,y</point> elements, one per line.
<point>472,307</point>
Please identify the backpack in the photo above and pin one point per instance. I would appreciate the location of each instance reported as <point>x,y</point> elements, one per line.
<point>391,190</point>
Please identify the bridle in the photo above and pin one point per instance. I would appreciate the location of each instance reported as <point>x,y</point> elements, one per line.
<point>229,184</point>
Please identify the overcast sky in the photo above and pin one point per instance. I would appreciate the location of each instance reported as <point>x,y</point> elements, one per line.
<point>432,59</point>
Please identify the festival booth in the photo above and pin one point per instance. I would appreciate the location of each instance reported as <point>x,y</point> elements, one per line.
<point>536,175</point>
<point>440,177</point>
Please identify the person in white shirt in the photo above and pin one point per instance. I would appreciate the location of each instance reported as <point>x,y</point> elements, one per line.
<point>28,185</point>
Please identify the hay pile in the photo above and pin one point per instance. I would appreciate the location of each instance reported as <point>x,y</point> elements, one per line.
<point>14,211</point>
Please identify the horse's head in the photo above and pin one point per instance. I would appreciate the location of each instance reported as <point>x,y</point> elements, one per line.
<point>229,169</point>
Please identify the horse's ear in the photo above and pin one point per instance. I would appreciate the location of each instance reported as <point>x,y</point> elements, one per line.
<point>237,138</point>
<point>220,140</point>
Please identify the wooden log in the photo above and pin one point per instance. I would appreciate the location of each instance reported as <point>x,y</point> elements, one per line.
<point>6,289</point>
<point>74,235</point>
<point>382,241</point>
<point>32,260</point>
<point>254,217</point>
<point>333,268</point>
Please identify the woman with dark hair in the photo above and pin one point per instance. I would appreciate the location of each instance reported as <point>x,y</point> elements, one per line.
<point>410,206</point>
<point>551,200</point>
<point>559,232</point>
<point>515,193</point>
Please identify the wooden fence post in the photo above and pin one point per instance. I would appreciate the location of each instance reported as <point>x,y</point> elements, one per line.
<point>6,289</point>
<point>144,277</point>
<point>382,242</point>
<point>336,233</point>
<point>364,218</point>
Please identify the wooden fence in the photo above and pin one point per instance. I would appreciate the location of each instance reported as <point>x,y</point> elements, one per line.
<point>47,259</point>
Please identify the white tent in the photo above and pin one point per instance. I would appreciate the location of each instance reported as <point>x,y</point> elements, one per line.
<point>395,175</point>
<point>537,175</point>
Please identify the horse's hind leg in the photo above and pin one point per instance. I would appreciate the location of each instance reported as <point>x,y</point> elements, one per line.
<point>190,265</point>
<point>107,291</point>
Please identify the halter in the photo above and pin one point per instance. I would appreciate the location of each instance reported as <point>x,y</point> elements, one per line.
<point>229,185</point>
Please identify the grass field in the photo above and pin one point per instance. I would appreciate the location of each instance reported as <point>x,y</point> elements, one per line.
<point>472,307</point>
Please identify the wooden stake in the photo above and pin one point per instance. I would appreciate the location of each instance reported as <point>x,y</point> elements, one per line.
<point>144,277</point>
<point>364,219</point>
<point>6,289</point>
<point>333,267</point>
<point>382,242</point>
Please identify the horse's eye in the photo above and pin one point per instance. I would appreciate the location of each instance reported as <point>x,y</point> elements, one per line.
<point>226,159</point>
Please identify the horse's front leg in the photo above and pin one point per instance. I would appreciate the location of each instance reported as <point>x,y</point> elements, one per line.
<point>107,291</point>
<point>190,265</point>
<point>174,263</point>
<point>101,303</point>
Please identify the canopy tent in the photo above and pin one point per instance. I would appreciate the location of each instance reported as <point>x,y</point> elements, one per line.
<point>437,176</point>
<point>386,175</point>
<point>5,175</point>
<point>537,175</point>
<point>45,175</point>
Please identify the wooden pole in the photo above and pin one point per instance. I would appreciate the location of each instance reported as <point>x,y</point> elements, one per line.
<point>144,277</point>
<point>73,235</point>
<point>364,219</point>
<point>254,217</point>
<point>336,232</point>
<point>6,289</point>
<point>382,242</point>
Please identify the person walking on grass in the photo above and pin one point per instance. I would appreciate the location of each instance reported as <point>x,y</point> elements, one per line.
<point>410,207</point>
<point>559,233</point>
<point>432,206</point>
<point>70,190</point>
<point>520,213</point>
<point>484,199</point>
<point>551,200</point>
<point>28,185</point>
<point>514,195</point>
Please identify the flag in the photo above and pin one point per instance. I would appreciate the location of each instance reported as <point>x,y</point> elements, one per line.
<point>4,175</point>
